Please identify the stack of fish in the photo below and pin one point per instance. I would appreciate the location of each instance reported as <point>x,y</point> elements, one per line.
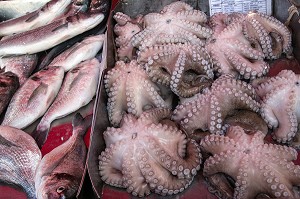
<point>49,69</point>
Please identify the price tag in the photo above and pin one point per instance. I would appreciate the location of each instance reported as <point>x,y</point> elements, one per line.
<point>244,6</point>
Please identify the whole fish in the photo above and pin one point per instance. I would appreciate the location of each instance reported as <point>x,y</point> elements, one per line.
<point>60,171</point>
<point>47,36</point>
<point>9,83</point>
<point>38,18</point>
<point>19,158</point>
<point>34,97</point>
<point>22,65</point>
<point>81,51</point>
<point>78,89</point>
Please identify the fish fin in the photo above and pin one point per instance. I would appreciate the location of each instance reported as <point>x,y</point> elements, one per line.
<point>42,88</point>
<point>80,122</point>
<point>32,17</point>
<point>40,135</point>
<point>63,26</point>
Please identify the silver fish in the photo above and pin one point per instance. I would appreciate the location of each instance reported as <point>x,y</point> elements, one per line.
<point>22,65</point>
<point>60,171</point>
<point>19,158</point>
<point>47,36</point>
<point>81,51</point>
<point>17,8</point>
<point>34,97</point>
<point>78,89</point>
<point>38,18</point>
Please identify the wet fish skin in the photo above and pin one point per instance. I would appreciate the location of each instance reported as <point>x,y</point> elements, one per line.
<point>19,158</point>
<point>40,17</point>
<point>47,36</point>
<point>81,51</point>
<point>22,65</point>
<point>34,97</point>
<point>9,83</point>
<point>60,171</point>
<point>78,89</point>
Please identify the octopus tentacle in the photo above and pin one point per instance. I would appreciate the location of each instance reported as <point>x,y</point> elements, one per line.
<point>110,172</point>
<point>133,180</point>
<point>177,7</point>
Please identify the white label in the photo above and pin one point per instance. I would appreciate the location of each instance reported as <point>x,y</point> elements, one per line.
<point>244,6</point>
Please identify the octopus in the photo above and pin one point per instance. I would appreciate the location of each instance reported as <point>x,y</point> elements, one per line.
<point>272,35</point>
<point>177,22</point>
<point>130,90</point>
<point>145,156</point>
<point>255,166</point>
<point>185,68</point>
<point>208,110</point>
<point>280,106</point>
<point>125,28</point>
<point>231,52</point>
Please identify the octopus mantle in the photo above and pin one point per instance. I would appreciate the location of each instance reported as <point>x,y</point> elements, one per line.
<point>256,167</point>
<point>144,155</point>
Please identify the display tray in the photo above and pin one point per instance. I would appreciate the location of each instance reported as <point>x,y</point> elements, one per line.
<point>199,187</point>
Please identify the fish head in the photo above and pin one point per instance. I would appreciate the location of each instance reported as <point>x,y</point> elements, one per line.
<point>51,72</point>
<point>85,21</point>
<point>8,80</point>
<point>58,186</point>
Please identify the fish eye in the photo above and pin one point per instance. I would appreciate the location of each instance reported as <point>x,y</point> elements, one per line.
<point>60,189</point>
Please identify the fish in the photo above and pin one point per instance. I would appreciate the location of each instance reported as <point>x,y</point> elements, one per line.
<point>35,19</point>
<point>102,6</point>
<point>22,65</point>
<point>17,8</point>
<point>34,97</point>
<point>9,83</point>
<point>78,89</point>
<point>60,171</point>
<point>19,159</point>
<point>81,51</point>
<point>45,37</point>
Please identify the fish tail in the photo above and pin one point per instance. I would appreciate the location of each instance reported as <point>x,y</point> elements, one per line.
<point>80,124</point>
<point>40,134</point>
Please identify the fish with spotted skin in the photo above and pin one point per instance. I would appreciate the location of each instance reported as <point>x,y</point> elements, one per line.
<point>50,35</point>
<point>60,171</point>
<point>19,158</point>
<point>40,17</point>
<point>9,83</point>
<point>34,97</point>
<point>22,65</point>
<point>81,51</point>
<point>78,89</point>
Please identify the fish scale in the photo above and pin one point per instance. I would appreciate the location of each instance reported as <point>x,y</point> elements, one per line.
<point>19,157</point>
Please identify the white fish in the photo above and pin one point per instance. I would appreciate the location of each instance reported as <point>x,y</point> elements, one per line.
<point>78,89</point>
<point>35,19</point>
<point>81,51</point>
<point>34,97</point>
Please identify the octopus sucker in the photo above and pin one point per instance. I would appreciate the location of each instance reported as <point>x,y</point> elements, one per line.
<point>186,68</point>
<point>256,167</point>
<point>207,111</point>
<point>144,155</point>
<point>129,89</point>
<point>279,104</point>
